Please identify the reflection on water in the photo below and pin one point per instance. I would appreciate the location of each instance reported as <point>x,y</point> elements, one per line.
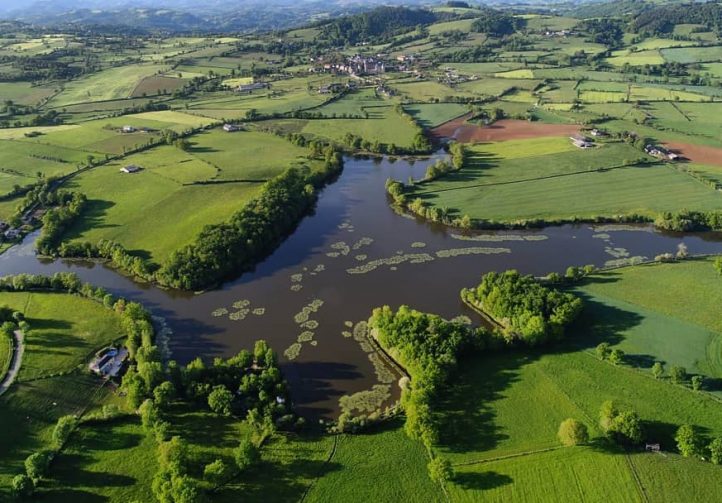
<point>353,254</point>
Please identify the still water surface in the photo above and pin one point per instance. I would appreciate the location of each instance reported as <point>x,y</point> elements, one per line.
<point>354,253</point>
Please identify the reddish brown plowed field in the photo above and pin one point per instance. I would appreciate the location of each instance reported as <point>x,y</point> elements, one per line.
<point>701,154</point>
<point>507,129</point>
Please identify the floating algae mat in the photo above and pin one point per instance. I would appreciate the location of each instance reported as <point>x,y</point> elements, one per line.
<point>305,313</point>
<point>500,237</point>
<point>361,257</point>
<point>474,250</point>
<point>310,325</point>
<point>620,227</point>
<point>341,247</point>
<point>297,287</point>
<point>240,304</point>
<point>602,235</point>
<point>616,252</point>
<point>292,351</point>
<point>367,400</point>
<point>412,258</point>
<point>221,311</point>
<point>418,244</point>
<point>383,373</point>
<point>306,336</point>
<point>365,241</point>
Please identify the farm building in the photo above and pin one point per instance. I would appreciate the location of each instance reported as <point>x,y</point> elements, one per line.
<point>128,129</point>
<point>581,141</point>
<point>331,88</point>
<point>598,133</point>
<point>660,152</point>
<point>252,87</point>
<point>108,361</point>
<point>229,128</point>
<point>130,168</point>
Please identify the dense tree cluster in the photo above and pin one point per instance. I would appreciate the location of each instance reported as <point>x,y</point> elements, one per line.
<point>223,249</point>
<point>497,23</point>
<point>606,31</point>
<point>56,220</point>
<point>661,19</point>
<point>377,24</point>
<point>622,425</point>
<point>428,347</point>
<point>525,309</point>
<point>689,221</point>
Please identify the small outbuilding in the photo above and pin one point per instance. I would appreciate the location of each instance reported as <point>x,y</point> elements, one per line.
<point>128,129</point>
<point>230,128</point>
<point>581,141</point>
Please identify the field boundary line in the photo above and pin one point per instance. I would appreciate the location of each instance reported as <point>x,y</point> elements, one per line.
<point>525,180</point>
<point>328,460</point>
<point>508,456</point>
<point>637,480</point>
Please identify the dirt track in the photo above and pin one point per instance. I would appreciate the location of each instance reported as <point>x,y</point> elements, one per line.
<point>507,129</point>
<point>700,154</point>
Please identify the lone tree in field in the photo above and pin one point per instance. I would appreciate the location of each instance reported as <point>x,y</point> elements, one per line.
<point>572,432</point>
<point>625,427</point>
<point>678,375</point>
<point>602,350</point>
<point>657,370</point>
<point>688,442</point>
<point>440,470</point>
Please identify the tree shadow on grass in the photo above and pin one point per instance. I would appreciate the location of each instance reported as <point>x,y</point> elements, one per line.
<point>481,481</point>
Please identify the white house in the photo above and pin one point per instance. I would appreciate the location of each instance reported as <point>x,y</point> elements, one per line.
<point>130,168</point>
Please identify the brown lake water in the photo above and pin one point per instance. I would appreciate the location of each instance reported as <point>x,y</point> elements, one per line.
<point>353,254</point>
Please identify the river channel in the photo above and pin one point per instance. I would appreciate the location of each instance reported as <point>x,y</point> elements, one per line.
<point>353,254</point>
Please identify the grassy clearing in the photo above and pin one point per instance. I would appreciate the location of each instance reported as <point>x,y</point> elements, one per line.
<point>674,310</point>
<point>693,54</point>
<point>393,128</point>
<point>59,340</point>
<point>529,179</point>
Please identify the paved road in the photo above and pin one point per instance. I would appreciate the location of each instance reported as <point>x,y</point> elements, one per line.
<point>17,361</point>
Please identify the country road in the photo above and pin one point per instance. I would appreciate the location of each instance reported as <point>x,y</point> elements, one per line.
<point>17,361</point>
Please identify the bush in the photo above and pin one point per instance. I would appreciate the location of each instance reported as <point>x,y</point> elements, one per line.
<point>697,382</point>
<point>572,432</point>
<point>624,427</point>
<point>148,414</point>
<point>22,486</point>
<point>63,429</point>
<point>616,356</point>
<point>440,470</point>
<point>657,370</point>
<point>220,400</point>
<point>246,454</point>
<point>602,350</point>
<point>715,451</point>
<point>36,465</point>
<point>216,472</point>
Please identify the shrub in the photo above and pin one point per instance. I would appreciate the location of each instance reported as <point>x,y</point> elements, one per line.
<point>216,472</point>
<point>440,470</point>
<point>63,429</point>
<point>715,451</point>
<point>602,350</point>
<point>572,432</point>
<point>36,465</point>
<point>657,370</point>
<point>22,486</point>
<point>678,375</point>
<point>246,454</point>
<point>697,382</point>
<point>616,356</point>
<point>220,400</point>
<point>148,414</point>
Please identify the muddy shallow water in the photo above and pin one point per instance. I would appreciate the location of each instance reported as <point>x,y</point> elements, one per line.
<point>353,254</point>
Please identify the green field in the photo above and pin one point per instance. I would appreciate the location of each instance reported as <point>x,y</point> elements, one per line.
<point>431,115</point>
<point>59,340</point>
<point>550,179</point>
<point>110,84</point>
<point>673,308</point>
<point>161,208</point>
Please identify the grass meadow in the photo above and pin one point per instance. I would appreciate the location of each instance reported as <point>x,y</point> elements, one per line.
<point>550,179</point>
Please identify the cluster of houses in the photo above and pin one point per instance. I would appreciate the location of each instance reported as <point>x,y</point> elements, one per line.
<point>660,152</point>
<point>108,362</point>
<point>559,33</point>
<point>354,66</point>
